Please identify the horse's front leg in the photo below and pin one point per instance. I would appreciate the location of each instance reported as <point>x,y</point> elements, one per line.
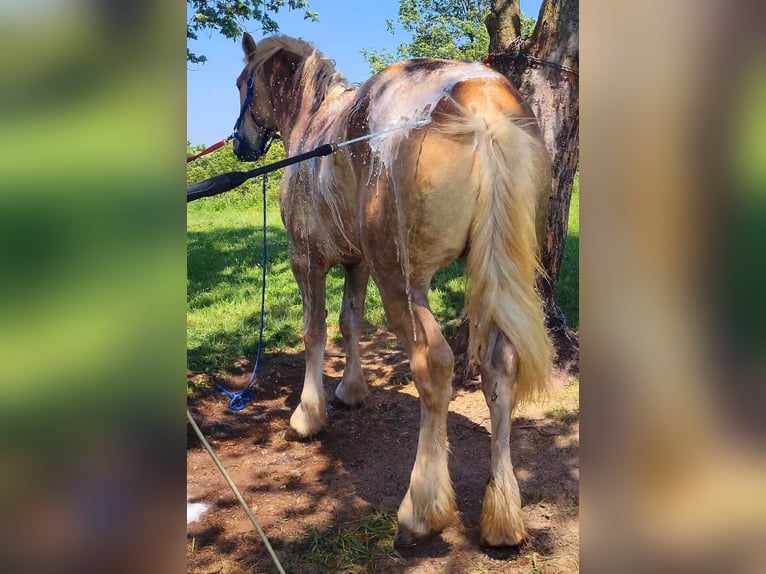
<point>353,390</point>
<point>310,415</point>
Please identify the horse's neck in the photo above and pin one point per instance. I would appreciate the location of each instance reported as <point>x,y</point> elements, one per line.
<point>301,128</point>
<point>294,134</point>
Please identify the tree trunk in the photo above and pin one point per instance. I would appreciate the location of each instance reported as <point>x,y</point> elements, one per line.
<point>503,24</point>
<point>545,70</point>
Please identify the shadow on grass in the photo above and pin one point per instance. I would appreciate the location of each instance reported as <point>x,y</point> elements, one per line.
<point>568,287</point>
<point>229,257</point>
<point>224,269</point>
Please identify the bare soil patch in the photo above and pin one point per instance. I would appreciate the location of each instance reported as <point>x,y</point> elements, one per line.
<point>350,480</point>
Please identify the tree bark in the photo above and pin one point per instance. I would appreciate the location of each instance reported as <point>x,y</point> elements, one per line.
<point>503,24</point>
<point>545,70</point>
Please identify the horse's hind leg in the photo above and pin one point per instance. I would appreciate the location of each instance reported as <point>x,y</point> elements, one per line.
<point>501,520</point>
<point>310,415</point>
<point>353,390</point>
<point>429,504</point>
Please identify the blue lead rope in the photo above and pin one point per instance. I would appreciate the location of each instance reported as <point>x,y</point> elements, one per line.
<point>239,399</point>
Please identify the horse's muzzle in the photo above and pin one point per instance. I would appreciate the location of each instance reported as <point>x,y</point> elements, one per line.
<point>244,152</point>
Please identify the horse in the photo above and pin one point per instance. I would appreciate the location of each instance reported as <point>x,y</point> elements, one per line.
<point>449,163</point>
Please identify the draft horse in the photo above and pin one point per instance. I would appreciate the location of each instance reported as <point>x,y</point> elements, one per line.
<point>456,168</point>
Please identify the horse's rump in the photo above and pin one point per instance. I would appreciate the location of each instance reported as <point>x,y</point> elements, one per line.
<point>436,108</point>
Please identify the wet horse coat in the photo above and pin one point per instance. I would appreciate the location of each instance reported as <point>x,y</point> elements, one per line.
<point>458,170</point>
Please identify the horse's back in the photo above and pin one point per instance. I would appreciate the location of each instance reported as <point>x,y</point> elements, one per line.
<point>412,90</point>
<point>424,182</point>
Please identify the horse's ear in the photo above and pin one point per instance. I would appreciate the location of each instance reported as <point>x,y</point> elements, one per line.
<point>248,45</point>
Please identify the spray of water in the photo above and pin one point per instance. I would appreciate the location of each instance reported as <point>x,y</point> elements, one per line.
<point>407,125</point>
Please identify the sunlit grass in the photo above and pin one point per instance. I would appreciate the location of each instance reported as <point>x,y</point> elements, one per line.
<point>360,546</point>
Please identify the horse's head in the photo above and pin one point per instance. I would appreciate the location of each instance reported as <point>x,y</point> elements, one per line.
<point>257,122</point>
<point>284,80</point>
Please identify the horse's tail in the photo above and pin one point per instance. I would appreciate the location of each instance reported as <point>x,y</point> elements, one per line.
<point>512,167</point>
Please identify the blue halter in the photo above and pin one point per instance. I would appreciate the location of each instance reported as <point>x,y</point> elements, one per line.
<point>245,106</point>
<point>268,135</point>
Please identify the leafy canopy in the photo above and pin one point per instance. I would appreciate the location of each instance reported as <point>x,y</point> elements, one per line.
<point>449,29</point>
<point>229,16</point>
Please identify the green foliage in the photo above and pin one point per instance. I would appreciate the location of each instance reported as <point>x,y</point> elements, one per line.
<point>452,29</point>
<point>527,25</point>
<point>378,59</point>
<point>229,16</point>
<point>449,29</point>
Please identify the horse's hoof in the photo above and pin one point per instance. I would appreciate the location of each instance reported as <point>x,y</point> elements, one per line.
<point>351,396</point>
<point>307,423</point>
<point>405,537</point>
<point>291,435</point>
<point>502,524</point>
<point>494,540</point>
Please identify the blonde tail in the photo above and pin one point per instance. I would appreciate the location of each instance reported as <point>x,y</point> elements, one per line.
<point>512,169</point>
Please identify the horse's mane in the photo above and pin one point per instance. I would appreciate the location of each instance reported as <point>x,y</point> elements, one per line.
<point>316,74</point>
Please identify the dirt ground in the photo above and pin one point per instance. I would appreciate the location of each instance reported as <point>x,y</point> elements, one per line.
<point>305,494</point>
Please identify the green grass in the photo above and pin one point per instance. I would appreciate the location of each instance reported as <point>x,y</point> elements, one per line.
<point>568,287</point>
<point>350,549</point>
<point>224,275</point>
<point>565,415</point>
